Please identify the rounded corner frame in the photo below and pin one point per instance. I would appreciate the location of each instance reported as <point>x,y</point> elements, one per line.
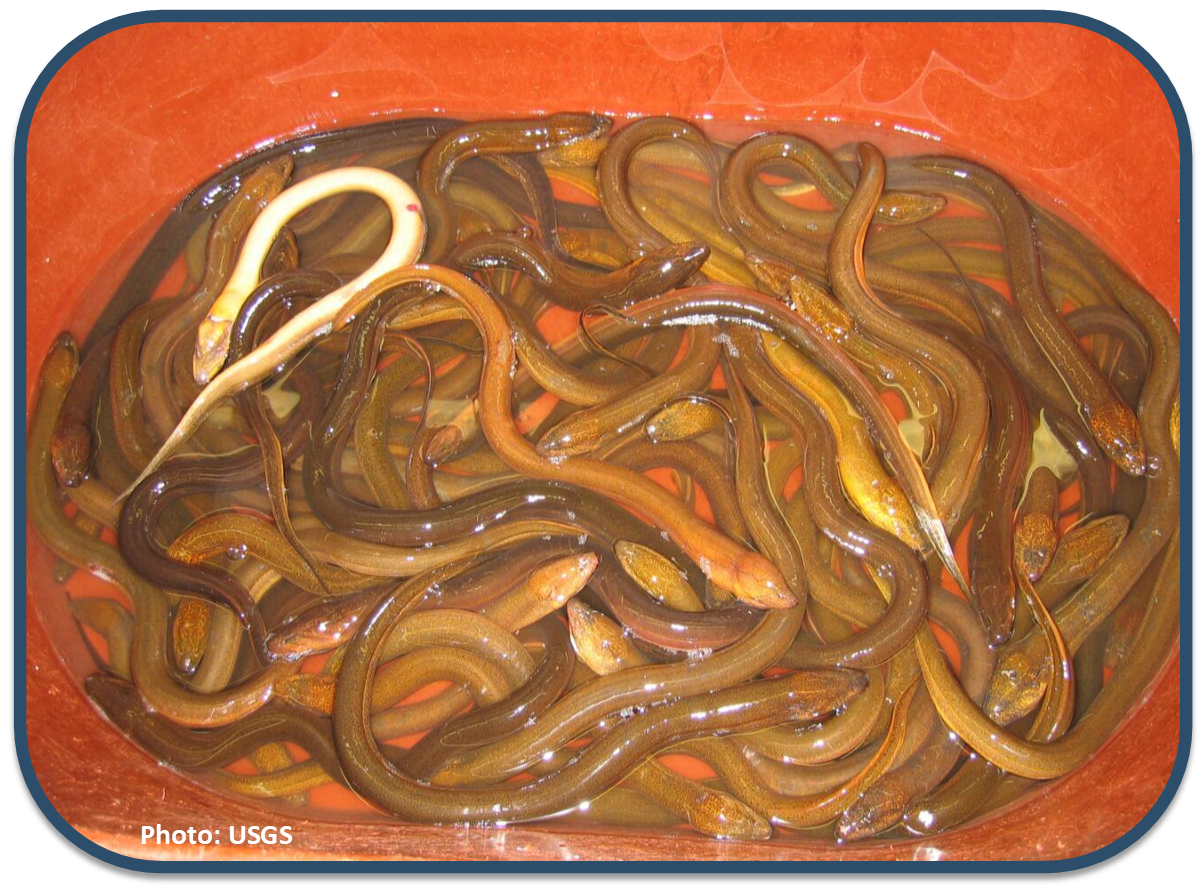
<point>147,866</point>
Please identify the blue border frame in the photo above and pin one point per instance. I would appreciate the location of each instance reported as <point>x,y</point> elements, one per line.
<point>765,867</point>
